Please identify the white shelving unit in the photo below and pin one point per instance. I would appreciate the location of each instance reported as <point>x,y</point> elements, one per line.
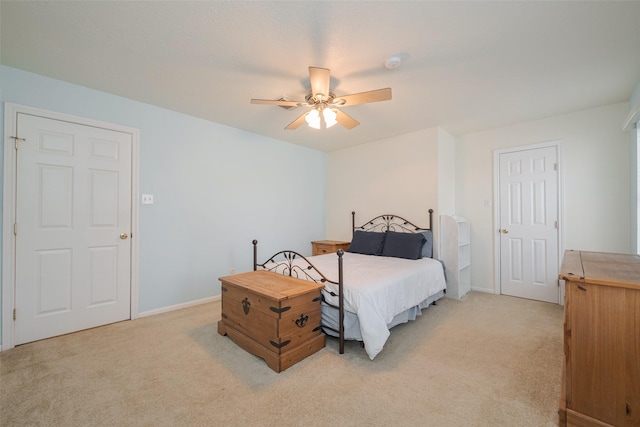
<point>455,251</point>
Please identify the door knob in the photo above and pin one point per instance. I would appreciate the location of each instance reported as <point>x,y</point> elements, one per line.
<point>504,230</point>
<point>124,236</point>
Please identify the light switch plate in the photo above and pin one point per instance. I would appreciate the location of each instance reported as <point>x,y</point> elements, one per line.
<point>147,199</point>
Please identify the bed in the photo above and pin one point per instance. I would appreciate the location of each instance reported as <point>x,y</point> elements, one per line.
<point>386,277</point>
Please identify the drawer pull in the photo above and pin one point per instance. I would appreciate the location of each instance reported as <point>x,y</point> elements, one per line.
<point>246,305</point>
<point>628,408</point>
<point>582,288</point>
<point>302,320</point>
<point>316,299</point>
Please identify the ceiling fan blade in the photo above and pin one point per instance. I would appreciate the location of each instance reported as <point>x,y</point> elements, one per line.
<point>363,97</point>
<point>346,120</point>
<point>297,122</point>
<point>320,79</point>
<point>279,102</point>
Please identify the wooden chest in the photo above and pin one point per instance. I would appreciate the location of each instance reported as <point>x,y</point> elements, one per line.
<point>272,316</point>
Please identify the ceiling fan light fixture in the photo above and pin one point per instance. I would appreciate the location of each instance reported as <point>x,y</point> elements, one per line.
<point>329,116</point>
<point>313,119</point>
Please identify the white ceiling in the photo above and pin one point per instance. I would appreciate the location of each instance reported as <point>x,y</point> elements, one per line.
<point>467,66</point>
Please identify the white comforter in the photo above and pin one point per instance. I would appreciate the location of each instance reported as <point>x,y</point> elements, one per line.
<point>378,288</point>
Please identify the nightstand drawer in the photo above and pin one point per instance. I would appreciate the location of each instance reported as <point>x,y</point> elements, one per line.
<point>321,247</point>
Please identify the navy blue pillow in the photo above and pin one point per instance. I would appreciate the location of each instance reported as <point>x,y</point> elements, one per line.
<point>403,245</point>
<point>367,242</point>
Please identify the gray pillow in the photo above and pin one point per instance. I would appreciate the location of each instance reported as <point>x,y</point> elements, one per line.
<point>427,248</point>
<point>367,242</point>
<point>403,245</point>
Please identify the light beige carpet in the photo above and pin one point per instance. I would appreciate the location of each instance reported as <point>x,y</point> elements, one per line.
<point>486,360</point>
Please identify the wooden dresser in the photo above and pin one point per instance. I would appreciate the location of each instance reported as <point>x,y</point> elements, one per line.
<point>321,247</point>
<point>272,316</point>
<point>601,375</point>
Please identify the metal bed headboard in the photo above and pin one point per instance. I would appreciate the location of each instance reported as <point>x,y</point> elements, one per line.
<point>389,222</point>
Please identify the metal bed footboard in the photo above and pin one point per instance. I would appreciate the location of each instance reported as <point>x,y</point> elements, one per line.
<point>283,262</point>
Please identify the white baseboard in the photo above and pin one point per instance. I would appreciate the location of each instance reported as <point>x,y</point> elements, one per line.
<point>485,290</point>
<point>178,306</point>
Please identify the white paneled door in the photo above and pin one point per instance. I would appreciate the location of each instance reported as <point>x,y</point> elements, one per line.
<point>73,226</point>
<point>528,229</point>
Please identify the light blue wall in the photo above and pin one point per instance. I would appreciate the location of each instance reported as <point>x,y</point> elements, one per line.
<point>215,189</point>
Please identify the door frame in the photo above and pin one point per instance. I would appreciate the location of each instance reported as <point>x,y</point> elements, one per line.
<point>9,209</point>
<point>557,144</point>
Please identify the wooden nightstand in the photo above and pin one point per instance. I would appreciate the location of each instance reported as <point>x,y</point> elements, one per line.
<point>272,316</point>
<point>321,247</point>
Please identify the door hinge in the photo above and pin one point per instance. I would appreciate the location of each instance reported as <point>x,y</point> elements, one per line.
<point>15,316</point>
<point>556,225</point>
<point>15,228</point>
<point>555,166</point>
<point>16,139</point>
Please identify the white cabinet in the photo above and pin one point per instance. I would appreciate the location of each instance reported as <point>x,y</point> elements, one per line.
<point>455,252</point>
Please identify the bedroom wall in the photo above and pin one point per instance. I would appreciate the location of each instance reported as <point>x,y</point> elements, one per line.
<point>594,170</point>
<point>446,172</point>
<point>396,175</point>
<point>215,189</point>
<point>634,175</point>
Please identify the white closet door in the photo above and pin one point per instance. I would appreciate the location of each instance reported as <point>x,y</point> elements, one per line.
<point>73,216</point>
<point>528,228</point>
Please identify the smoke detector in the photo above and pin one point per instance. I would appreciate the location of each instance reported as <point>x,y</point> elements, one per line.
<point>392,62</point>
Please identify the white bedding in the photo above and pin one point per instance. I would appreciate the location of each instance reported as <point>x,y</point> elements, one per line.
<point>377,288</point>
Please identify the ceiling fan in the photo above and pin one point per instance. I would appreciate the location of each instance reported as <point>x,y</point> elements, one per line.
<point>324,103</point>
